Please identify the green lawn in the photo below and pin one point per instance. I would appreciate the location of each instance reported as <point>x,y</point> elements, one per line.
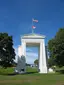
<point>31,78</point>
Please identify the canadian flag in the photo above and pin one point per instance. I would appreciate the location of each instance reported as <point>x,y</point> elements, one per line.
<point>34,20</point>
<point>33,27</point>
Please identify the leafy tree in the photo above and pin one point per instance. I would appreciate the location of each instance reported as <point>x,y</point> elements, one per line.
<point>36,62</point>
<point>51,62</point>
<point>56,48</point>
<point>7,53</point>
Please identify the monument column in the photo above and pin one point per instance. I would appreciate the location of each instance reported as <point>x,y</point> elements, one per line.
<point>24,48</point>
<point>42,59</point>
<point>24,52</point>
<point>38,58</point>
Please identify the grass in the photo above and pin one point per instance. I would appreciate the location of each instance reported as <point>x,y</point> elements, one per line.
<point>30,79</point>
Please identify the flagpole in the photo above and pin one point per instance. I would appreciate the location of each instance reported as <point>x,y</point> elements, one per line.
<point>32,25</point>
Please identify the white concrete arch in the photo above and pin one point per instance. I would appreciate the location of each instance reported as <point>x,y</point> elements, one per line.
<point>34,40</point>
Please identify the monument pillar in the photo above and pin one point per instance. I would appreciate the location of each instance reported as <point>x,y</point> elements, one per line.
<point>42,59</point>
<point>24,48</point>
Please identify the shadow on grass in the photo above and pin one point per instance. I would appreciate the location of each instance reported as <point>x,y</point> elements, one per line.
<point>21,73</point>
<point>31,72</point>
<point>13,74</point>
<point>60,71</point>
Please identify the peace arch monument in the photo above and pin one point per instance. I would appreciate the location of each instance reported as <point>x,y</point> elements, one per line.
<point>34,40</point>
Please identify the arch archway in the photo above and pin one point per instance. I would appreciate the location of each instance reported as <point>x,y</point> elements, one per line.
<point>34,40</point>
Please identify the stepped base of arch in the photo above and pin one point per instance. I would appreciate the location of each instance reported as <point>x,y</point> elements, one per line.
<point>43,70</point>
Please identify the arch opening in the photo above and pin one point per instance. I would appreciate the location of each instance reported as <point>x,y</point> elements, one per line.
<point>32,54</point>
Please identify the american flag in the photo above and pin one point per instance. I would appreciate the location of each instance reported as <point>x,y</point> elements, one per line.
<point>34,20</point>
<point>33,27</point>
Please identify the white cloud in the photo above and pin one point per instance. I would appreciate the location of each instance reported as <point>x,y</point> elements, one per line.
<point>28,50</point>
<point>31,56</point>
<point>16,52</point>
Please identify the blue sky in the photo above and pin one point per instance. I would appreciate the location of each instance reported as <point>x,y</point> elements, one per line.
<point>16,18</point>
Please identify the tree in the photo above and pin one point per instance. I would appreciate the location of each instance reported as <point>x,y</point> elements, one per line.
<point>7,53</point>
<point>56,48</point>
<point>36,62</point>
<point>51,62</point>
